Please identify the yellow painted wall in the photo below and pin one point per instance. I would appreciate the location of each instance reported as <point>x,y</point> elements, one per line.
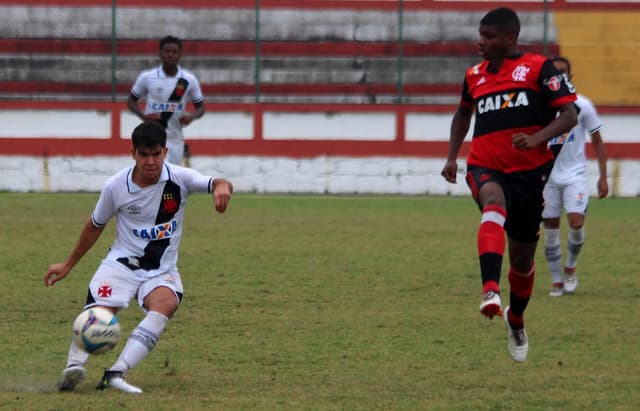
<point>604,49</point>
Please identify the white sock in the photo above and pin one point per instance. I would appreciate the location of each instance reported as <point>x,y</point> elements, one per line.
<point>77,356</point>
<point>141,341</point>
<point>553,253</point>
<point>574,245</point>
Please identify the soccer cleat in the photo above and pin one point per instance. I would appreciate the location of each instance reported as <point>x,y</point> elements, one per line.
<point>517,342</point>
<point>570,282</point>
<point>490,305</point>
<point>556,290</point>
<point>115,379</point>
<point>71,376</point>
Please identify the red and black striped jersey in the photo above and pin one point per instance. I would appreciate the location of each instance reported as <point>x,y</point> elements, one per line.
<point>522,96</point>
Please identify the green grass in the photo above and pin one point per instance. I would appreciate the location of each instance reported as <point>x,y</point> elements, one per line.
<point>331,303</point>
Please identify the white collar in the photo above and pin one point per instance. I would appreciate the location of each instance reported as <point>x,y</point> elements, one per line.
<point>134,188</point>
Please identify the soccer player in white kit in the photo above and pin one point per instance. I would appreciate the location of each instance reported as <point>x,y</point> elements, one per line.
<point>567,186</point>
<point>148,200</point>
<point>167,89</point>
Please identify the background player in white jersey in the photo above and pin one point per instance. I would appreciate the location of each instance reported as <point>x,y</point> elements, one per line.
<point>567,186</point>
<point>148,200</point>
<point>167,90</point>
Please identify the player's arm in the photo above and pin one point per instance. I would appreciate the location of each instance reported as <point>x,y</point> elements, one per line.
<point>601,155</point>
<point>198,112</point>
<point>567,119</point>
<point>88,237</point>
<point>134,107</point>
<point>459,128</point>
<point>221,192</point>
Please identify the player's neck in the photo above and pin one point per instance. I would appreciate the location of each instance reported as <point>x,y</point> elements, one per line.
<point>170,71</point>
<point>143,181</point>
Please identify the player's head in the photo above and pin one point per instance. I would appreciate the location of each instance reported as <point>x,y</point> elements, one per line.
<point>499,30</point>
<point>149,150</point>
<point>170,51</point>
<point>149,134</point>
<point>563,65</point>
<point>170,40</point>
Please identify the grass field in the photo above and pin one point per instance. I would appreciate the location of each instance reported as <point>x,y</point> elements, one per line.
<point>328,303</point>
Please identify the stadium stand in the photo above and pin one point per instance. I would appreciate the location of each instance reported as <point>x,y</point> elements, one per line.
<point>306,55</point>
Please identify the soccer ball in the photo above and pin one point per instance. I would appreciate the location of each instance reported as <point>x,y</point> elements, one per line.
<point>96,330</point>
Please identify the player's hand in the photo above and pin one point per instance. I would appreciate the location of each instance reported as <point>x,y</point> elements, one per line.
<point>603,187</point>
<point>523,141</point>
<point>450,171</point>
<point>222,194</point>
<point>55,273</point>
<point>152,117</point>
<point>186,118</point>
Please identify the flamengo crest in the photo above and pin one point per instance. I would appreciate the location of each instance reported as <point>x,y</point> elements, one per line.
<point>520,73</point>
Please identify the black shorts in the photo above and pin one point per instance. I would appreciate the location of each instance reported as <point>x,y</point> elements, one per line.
<point>523,196</point>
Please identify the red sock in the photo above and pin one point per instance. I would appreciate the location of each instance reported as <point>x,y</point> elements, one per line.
<point>491,243</point>
<point>521,289</point>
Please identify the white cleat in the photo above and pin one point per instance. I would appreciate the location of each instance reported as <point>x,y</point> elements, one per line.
<point>71,376</point>
<point>570,283</point>
<point>557,290</point>
<point>115,379</point>
<point>518,343</point>
<point>491,304</point>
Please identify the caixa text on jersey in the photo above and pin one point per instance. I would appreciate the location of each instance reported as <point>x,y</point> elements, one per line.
<point>159,232</point>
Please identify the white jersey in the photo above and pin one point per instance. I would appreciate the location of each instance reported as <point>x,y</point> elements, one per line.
<point>168,96</point>
<point>571,163</point>
<point>149,219</point>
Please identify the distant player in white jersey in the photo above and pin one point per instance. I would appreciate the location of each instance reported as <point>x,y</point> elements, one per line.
<point>567,187</point>
<point>167,90</point>
<point>148,200</point>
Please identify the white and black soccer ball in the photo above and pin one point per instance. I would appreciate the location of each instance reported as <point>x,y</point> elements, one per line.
<point>96,330</point>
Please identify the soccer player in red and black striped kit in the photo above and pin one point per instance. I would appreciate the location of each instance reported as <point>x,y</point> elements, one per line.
<point>520,101</point>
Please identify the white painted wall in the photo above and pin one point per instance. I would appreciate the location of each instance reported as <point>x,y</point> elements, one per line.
<point>321,174</point>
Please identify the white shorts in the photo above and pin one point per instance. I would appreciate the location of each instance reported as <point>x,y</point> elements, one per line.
<point>114,285</point>
<point>574,197</point>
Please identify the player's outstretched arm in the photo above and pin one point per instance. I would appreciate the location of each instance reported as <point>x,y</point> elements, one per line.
<point>88,237</point>
<point>222,194</point>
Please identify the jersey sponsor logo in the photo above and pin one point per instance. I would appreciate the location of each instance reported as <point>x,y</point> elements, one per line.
<point>568,82</point>
<point>166,107</point>
<point>159,232</point>
<point>566,138</point>
<point>502,101</point>
<point>553,83</point>
<point>520,73</point>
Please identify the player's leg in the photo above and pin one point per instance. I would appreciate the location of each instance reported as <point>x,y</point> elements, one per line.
<point>576,200</point>
<point>552,247</point>
<point>160,298</point>
<point>111,287</point>
<point>522,227</point>
<point>488,193</point>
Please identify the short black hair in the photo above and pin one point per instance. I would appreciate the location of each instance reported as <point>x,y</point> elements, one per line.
<point>170,40</point>
<point>563,60</point>
<point>149,134</point>
<point>504,18</point>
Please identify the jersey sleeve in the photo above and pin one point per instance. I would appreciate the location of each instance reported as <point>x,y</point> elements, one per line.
<point>466,100</point>
<point>105,208</point>
<point>556,87</point>
<point>196,182</point>
<point>139,88</point>
<point>589,117</point>
<point>196,91</point>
